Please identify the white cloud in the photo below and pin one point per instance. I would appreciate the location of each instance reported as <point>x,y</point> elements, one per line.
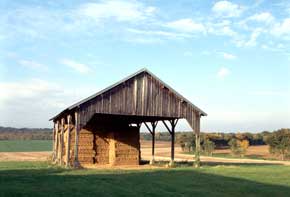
<point>31,22</point>
<point>79,67</point>
<point>186,25</point>
<point>227,9</point>
<point>33,65</point>
<point>282,28</point>
<point>265,17</point>
<point>223,72</point>
<point>252,41</point>
<point>253,38</point>
<point>119,10</point>
<point>26,90</point>
<point>159,33</point>
<point>228,56</point>
<point>30,103</point>
<point>222,28</point>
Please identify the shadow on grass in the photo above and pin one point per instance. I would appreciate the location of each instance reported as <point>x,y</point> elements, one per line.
<point>160,182</point>
<point>210,163</point>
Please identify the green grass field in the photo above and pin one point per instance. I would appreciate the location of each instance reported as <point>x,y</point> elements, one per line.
<point>25,145</point>
<point>40,179</point>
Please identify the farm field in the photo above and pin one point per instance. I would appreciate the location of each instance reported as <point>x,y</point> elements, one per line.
<point>25,145</point>
<point>46,145</point>
<point>40,179</point>
<point>40,150</point>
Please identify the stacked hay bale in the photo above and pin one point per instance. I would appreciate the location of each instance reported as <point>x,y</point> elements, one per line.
<point>127,146</point>
<point>101,148</point>
<point>86,152</point>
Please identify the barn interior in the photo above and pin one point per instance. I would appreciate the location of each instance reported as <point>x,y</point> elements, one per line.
<point>108,139</point>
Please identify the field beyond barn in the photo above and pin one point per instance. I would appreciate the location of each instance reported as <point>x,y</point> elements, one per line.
<point>40,179</point>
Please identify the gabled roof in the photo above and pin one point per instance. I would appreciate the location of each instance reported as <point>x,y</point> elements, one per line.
<point>144,70</point>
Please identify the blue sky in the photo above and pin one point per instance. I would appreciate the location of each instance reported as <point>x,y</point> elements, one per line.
<point>230,58</point>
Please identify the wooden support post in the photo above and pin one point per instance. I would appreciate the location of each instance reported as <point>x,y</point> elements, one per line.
<point>53,145</point>
<point>172,133</point>
<point>77,127</point>
<point>154,124</point>
<point>197,141</point>
<point>68,142</point>
<point>61,141</point>
<point>57,143</point>
<point>152,131</point>
<point>172,143</point>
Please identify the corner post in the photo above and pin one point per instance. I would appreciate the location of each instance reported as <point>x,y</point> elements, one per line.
<point>154,124</point>
<point>173,124</point>
<point>57,143</point>
<point>53,148</point>
<point>197,141</point>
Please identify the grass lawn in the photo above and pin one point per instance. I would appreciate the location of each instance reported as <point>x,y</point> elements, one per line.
<point>25,145</point>
<point>40,179</point>
<point>230,156</point>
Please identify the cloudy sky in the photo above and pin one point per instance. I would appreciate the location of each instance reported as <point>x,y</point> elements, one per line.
<point>230,58</point>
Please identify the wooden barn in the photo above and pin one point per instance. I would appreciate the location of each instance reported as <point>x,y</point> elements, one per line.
<point>103,129</point>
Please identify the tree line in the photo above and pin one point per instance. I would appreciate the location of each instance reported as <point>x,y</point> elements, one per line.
<point>10,133</point>
<point>278,141</point>
<point>221,140</point>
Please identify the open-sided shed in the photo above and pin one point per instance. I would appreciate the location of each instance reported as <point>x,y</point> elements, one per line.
<point>104,128</point>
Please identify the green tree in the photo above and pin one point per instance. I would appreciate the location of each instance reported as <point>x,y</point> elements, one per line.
<point>279,142</point>
<point>238,147</point>
<point>208,147</point>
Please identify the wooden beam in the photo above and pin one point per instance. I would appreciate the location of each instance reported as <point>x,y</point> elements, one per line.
<point>77,127</point>
<point>62,141</point>
<point>148,127</point>
<point>153,124</point>
<point>175,122</point>
<point>57,143</point>
<point>139,124</point>
<point>172,141</point>
<point>68,142</point>
<point>169,130</point>
<point>197,141</point>
<point>53,148</point>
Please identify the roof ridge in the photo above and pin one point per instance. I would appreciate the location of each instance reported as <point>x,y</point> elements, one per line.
<point>143,70</point>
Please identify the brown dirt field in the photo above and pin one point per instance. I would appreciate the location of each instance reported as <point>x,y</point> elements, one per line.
<point>24,156</point>
<point>162,152</point>
<point>262,150</point>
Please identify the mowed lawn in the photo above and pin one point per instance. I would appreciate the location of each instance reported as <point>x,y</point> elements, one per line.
<point>25,145</point>
<point>40,179</point>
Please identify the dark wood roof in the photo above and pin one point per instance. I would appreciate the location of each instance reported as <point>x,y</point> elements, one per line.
<point>140,94</point>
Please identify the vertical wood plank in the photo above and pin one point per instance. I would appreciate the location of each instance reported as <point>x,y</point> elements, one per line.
<point>62,141</point>
<point>77,127</point>
<point>68,142</point>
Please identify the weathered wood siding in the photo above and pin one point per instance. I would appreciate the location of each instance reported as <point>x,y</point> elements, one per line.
<point>142,95</point>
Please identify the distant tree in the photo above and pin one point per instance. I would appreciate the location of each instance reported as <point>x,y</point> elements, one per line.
<point>208,147</point>
<point>244,145</point>
<point>239,147</point>
<point>279,142</point>
<point>186,141</point>
<point>182,139</point>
